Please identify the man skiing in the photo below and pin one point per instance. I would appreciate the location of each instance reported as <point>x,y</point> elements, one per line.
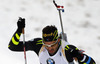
<point>49,48</point>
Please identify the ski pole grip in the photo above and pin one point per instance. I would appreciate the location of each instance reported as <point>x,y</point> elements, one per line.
<point>23,30</point>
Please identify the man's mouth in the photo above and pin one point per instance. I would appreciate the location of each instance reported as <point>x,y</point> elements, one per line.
<point>51,51</point>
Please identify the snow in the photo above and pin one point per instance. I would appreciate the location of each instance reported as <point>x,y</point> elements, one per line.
<point>81,21</point>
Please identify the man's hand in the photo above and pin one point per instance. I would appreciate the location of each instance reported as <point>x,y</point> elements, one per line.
<point>75,52</point>
<point>21,24</point>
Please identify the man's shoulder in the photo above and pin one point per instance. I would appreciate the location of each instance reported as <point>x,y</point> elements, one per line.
<point>36,39</point>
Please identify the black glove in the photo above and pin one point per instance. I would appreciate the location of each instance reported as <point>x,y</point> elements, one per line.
<point>74,52</point>
<point>21,24</point>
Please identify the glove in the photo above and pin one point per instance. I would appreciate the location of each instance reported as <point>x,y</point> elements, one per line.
<point>21,24</point>
<point>74,52</point>
<point>64,37</point>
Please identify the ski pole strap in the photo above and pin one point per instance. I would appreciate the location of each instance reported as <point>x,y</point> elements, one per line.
<point>58,6</point>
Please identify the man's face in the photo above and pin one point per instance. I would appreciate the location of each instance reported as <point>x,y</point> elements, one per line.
<point>52,46</point>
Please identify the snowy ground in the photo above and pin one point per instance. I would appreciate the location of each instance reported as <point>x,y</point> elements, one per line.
<point>81,21</point>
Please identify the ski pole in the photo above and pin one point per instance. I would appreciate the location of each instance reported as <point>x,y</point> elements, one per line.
<point>24,46</point>
<point>60,8</point>
<point>61,22</point>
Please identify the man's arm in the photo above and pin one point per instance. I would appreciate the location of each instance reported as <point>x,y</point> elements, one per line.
<point>16,45</point>
<point>72,51</point>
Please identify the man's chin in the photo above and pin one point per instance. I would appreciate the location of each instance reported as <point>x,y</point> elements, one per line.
<point>51,52</point>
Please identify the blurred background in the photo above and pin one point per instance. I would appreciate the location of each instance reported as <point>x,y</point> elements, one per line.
<point>81,21</point>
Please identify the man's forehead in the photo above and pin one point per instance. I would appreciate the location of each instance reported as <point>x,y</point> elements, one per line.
<point>50,42</point>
